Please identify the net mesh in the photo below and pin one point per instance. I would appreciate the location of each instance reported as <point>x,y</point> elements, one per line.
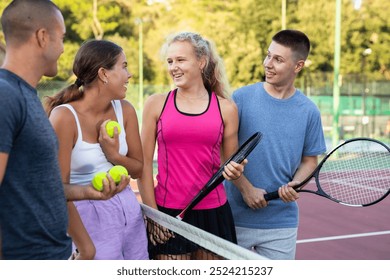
<point>172,239</point>
<point>358,173</point>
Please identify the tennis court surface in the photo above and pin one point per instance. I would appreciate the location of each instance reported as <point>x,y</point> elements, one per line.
<point>331,231</point>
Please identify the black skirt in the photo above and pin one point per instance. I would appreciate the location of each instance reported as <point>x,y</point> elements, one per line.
<point>217,221</point>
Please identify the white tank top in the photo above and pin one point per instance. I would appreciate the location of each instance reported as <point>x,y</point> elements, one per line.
<point>88,158</point>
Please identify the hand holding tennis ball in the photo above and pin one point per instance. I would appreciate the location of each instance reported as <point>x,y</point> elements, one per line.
<point>116,173</point>
<point>97,181</point>
<point>110,128</point>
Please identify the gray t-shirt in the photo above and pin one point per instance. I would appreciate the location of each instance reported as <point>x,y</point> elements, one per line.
<point>33,213</point>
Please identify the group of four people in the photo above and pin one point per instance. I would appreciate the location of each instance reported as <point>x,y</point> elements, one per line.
<point>46,198</point>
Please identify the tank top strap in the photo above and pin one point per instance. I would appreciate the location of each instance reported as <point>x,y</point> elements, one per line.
<point>171,98</point>
<point>116,104</point>
<point>70,108</point>
<point>169,102</point>
<point>214,104</point>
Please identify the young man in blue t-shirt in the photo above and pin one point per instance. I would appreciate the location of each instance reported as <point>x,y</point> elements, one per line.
<point>292,140</point>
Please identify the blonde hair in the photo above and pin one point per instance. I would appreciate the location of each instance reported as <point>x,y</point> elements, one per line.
<point>214,74</point>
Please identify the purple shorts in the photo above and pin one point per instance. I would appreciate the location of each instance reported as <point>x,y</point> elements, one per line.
<point>116,227</point>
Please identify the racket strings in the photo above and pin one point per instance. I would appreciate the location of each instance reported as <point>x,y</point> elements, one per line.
<point>358,173</point>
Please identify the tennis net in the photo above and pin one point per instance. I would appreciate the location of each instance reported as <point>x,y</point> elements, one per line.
<point>189,242</point>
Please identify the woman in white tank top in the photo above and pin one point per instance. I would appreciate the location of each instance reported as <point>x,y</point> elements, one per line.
<point>79,114</point>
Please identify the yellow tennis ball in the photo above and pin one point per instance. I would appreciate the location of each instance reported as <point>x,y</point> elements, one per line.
<point>116,173</point>
<point>97,181</point>
<point>110,128</point>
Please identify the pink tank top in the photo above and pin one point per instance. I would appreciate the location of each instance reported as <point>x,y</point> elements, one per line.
<point>188,154</point>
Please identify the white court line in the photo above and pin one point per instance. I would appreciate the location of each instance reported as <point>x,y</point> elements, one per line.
<point>343,236</point>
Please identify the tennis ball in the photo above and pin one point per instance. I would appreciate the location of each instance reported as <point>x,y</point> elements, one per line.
<point>110,128</point>
<point>97,181</point>
<point>116,173</point>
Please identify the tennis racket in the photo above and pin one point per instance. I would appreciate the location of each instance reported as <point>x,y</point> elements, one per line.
<point>355,173</point>
<point>243,151</point>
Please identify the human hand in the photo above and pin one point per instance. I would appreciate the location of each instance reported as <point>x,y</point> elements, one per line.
<point>287,193</point>
<point>109,145</point>
<point>110,188</point>
<point>157,233</point>
<point>254,198</point>
<point>234,170</point>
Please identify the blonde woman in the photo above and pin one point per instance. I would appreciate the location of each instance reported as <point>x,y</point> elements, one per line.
<point>195,127</point>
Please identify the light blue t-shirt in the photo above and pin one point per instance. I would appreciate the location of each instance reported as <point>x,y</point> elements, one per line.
<point>291,129</point>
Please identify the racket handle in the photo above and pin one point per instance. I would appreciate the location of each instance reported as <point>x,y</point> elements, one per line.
<point>271,195</point>
<point>191,205</point>
<point>180,216</point>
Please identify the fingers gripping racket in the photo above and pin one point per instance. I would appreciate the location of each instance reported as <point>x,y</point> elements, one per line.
<point>243,151</point>
<point>355,173</point>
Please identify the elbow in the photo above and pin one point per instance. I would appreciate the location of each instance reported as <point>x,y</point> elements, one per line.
<point>137,172</point>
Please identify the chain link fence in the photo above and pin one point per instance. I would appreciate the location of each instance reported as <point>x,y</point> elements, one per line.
<point>364,106</point>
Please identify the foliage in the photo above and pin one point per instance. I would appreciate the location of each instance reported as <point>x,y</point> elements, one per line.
<point>241,29</point>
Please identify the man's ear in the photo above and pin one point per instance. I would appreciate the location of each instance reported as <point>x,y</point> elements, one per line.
<point>299,66</point>
<point>41,36</point>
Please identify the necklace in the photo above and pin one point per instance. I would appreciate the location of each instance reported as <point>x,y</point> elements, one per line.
<point>193,98</point>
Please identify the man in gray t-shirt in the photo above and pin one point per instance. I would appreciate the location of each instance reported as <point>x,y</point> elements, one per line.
<point>33,206</point>
<point>292,141</point>
<point>33,200</point>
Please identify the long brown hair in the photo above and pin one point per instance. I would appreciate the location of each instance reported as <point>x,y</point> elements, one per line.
<point>91,56</point>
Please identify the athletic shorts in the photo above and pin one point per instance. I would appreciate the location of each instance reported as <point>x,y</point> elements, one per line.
<point>218,221</point>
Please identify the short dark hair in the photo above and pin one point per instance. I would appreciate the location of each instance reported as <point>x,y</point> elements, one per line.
<point>23,17</point>
<point>296,40</point>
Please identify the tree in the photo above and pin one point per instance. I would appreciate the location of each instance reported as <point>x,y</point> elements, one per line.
<point>241,30</point>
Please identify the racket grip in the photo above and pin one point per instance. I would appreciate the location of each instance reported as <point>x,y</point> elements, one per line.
<point>271,195</point>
